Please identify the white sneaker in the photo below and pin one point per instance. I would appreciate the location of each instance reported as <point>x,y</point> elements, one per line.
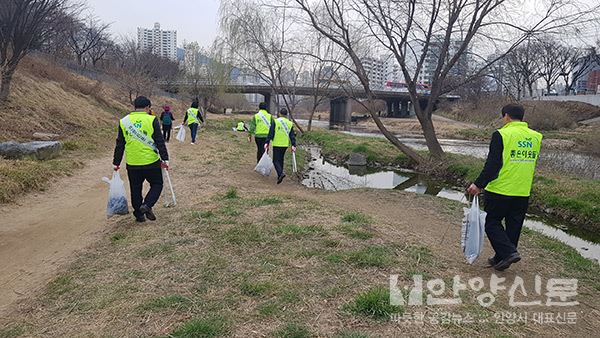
<point>192,143</point>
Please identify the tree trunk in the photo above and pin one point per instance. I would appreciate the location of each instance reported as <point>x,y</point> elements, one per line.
<point>435,149</point>
<point>310,118</point>
<point>530,87</point>
<point>413,155</point>
<point>6,78</point>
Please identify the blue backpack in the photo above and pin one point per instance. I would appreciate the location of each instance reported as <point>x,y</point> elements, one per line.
<point>166,119</point>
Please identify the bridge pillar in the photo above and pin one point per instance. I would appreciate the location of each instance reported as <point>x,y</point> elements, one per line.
<point>404,109</point>
<point>269,97</point>
<point>396,108</point>
<point>390,108</point>
<point>340,114</point>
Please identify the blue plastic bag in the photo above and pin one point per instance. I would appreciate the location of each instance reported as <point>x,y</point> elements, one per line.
<point>117,197</point>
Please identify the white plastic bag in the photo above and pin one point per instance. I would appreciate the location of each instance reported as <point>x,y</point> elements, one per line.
<point>181,134</point>
<point>264,165</point>
<point>117,197</point>
<point>473,228</point>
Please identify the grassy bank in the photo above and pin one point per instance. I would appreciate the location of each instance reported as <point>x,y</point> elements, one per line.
<point>570,198</point>
<point>27,175</point>
<point>240,256</point>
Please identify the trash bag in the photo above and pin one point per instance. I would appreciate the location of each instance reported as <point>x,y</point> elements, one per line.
<point>181,134</point>
<point>117,198</point>
<point>473,228</point>
<point>265,165</point>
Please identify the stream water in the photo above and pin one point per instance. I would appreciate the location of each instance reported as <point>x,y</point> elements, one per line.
<point>323,174</point>
<point>567,161</point>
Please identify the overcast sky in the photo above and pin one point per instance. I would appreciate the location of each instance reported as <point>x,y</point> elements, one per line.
<point>194,20</point>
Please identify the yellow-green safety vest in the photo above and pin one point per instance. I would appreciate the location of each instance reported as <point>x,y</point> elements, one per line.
<point>519,157</point>
<point>138,127</point>
<point>282,132</point>
<point>263,121</point>
<point>241,126</point>
<point>192,116</point>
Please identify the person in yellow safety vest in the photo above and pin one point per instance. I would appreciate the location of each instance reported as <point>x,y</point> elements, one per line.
<point>507,178</point>
<point>282,135</point>
<point>241,126</point>
<point>141,140</point>
<point>259,126</point>
<point>193,117</point>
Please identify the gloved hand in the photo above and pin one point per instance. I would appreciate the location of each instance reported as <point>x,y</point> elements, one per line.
<point>165,165</point>
<point>249,139</point>
<point>293,149</point>
<point>116,167</point>
<point>266,146</point>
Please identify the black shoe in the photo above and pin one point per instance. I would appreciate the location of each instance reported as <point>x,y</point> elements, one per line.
<point>506,262</point>
<point>140,219</point>
<point>148,212</point>
<point>491,261</point>
<point>280,179</point>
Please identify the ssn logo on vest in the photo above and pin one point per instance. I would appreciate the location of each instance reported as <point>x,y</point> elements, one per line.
<point>528,143</point>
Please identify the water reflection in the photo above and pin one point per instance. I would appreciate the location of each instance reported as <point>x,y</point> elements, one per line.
<point>325,175</point>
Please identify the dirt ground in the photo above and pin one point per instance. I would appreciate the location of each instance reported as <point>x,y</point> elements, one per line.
<point>410,127</point>
<point>67,271</point>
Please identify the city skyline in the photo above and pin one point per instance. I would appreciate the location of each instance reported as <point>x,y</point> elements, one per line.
<point>199,24</point>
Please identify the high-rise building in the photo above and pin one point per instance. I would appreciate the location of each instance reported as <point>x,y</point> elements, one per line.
<point>376,71</point>
<point>159,42</point>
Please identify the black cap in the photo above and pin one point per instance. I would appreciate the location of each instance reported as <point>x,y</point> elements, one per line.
<point>263,105</point>
<point>141,102</point>
<point>283,112</point>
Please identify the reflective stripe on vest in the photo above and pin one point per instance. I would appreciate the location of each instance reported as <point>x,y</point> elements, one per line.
<point>192,114</point>
<point>519,157</point>
<point>282,132</point>
<point>140,148</point>
<point>263,123</point>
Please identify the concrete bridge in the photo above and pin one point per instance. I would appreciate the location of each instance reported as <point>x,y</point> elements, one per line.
<point>398,103</point>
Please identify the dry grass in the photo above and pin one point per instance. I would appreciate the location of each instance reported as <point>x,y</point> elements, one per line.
<point>242,259</point>
<point>48,98</point>
<point>541,115</point>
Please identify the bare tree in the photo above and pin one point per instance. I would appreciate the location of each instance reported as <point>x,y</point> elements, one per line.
<point>99,51</point>
<point>257,37</point>
<point>553,56</point>
<point>578,63</point>
<point>514,78</point>
<point>433,33</point>
<point>85,36</point>
<point>138,71</point>
<point>24,25</point>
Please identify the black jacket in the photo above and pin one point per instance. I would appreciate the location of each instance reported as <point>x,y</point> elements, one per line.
<point>493,164</point>
<point>158,140</point>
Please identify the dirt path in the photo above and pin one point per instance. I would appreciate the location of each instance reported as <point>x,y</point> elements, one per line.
<point>41,232</point>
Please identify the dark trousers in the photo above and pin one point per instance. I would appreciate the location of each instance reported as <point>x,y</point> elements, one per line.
<point>166,128</point>
<point>278,156</point>
<point>260,147</point>
<point>136,182</point>
<point>194,130</point>
<point>512,210</point>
